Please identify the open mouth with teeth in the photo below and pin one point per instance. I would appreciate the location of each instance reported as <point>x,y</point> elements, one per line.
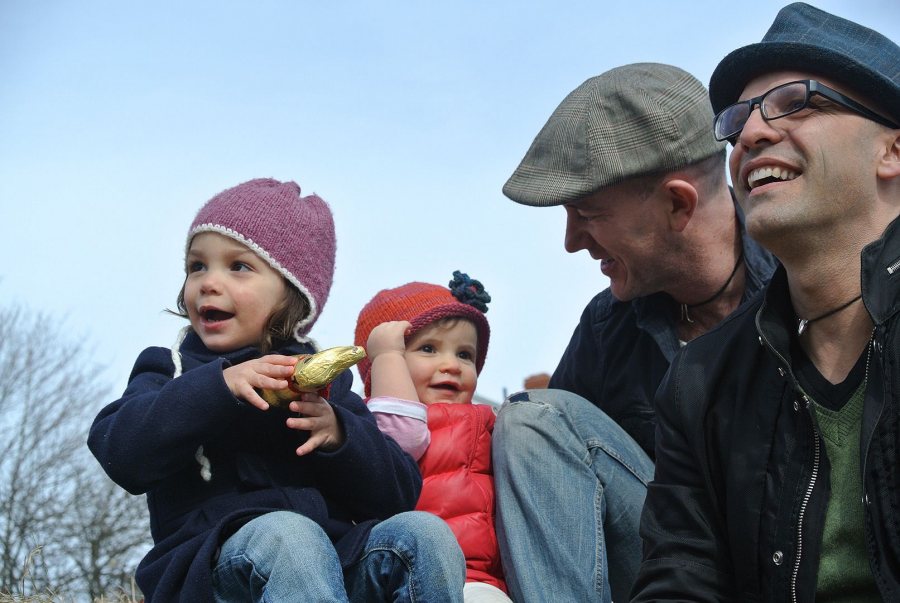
<point>450,387</point>
<point>767,175</point>
<point>215,315</point>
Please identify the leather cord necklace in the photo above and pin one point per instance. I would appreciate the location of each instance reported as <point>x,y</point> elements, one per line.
<point>686,315</point>
<point>803,323</point>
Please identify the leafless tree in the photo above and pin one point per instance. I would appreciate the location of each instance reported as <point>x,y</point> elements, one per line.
<point>54,499</point>
<point>105,534</point>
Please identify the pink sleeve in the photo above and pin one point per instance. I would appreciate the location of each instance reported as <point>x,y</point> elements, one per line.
<point>405,421</point>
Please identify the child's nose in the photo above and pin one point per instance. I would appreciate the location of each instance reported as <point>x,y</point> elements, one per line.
<point>210,283</point>
<point>450,364</point>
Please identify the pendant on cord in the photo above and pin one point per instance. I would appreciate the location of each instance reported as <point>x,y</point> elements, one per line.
<point>685,313</point>
<point>802,323</point>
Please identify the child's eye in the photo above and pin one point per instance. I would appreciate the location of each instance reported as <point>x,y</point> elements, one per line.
<point>241,267</point>
<point>466,356</point>
<point>427,348</point>
<point>194,267</point>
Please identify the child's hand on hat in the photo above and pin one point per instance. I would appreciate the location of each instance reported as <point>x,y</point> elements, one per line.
<point>268,372</point>
<point>318,418</point>
<point>388,337</point>
<point>386,349</point>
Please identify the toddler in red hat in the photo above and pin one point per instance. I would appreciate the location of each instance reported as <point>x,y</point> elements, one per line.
<point>426,346</point>
<point>256,503</point>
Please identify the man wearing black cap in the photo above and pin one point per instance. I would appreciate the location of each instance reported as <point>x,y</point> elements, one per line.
<point>778,449</point>
<point>630,156</point>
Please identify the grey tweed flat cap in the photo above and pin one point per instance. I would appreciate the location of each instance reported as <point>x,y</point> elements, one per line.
<point>629,121</point>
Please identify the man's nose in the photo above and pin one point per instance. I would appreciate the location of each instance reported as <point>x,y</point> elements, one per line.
<point>757,129</point>
<point>575,234</point>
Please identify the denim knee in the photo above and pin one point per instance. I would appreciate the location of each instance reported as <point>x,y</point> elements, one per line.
<point>268,535</point>
<point>532,410</point>
<point>284,526</point>
<point>414,557</point>
<point>274,557</point>
<point>417,533</point>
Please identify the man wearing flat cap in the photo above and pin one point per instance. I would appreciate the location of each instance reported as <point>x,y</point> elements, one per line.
<point>630,156</point>
<point>778,447</point>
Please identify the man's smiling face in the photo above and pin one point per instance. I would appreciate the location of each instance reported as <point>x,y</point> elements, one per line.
<point>802,172</point>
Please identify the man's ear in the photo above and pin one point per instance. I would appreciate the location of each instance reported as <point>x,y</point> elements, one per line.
<point>681,199</point>
<point>889,161</point>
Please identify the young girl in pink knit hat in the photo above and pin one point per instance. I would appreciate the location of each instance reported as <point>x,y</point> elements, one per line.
<point>426,346</point>
<point>256,503</point>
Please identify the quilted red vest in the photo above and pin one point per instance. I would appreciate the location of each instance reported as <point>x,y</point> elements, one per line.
<point>458,484</point>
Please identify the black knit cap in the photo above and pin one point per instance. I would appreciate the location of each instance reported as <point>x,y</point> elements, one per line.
<point>805,38</point>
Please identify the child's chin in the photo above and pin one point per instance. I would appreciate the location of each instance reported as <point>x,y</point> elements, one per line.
<point>448,400</point>
<point>214,344</point>
<point>221,345</point>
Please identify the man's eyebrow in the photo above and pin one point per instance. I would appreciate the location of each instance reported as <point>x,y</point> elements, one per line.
<point>599,207</point>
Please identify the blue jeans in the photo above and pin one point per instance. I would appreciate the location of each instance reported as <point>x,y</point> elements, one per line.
<point>284,556</point>
<point>570,487</point>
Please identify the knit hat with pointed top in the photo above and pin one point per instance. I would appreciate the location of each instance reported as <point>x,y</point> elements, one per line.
<point>294,234</point>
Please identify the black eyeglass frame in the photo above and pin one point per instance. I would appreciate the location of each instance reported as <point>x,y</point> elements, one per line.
<point>812,87</point>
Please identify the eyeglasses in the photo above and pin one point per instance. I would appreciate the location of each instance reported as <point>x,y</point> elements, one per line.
<point>782,101</point>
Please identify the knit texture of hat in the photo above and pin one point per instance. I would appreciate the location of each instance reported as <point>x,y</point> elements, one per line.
<point>294,234</point>
<point>422,304</point>
<point>810,40</point>
<point>630,121</point>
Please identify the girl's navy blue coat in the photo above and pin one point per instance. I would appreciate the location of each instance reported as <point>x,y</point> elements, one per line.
<point>148,441</point>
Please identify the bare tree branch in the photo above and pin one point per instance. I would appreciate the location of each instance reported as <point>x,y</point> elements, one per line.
<point>64,526</point>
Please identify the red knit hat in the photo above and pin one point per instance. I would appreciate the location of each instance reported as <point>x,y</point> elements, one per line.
<point>422,304</point>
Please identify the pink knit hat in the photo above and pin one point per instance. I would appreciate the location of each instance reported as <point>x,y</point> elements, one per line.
<point>294,234</point>
<point>422,304</point>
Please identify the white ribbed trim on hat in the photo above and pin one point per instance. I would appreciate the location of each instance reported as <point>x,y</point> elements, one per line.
<point>228,232</point>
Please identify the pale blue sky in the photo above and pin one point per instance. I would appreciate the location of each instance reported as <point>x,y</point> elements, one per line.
<point>118,120</point>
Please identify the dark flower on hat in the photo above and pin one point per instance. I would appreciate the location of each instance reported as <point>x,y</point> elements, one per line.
<point>469,291</point>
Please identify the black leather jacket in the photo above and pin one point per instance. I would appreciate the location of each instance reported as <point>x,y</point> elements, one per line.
<point>737,507</point>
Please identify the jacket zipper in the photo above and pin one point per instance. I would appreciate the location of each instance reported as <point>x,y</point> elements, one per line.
<point>865,462</point>
<point>809,489</point>
<point>816,451</point>
<point>893,267</point>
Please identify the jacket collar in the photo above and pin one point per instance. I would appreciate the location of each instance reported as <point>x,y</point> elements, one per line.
<point>776,315</point>
<point>193,346</point>
<point>881,274</point>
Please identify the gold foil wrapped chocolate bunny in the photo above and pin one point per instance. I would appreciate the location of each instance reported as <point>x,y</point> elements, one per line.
<point>314,372</point>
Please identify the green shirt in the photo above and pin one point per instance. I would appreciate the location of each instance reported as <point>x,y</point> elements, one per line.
<point>844,573</point>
